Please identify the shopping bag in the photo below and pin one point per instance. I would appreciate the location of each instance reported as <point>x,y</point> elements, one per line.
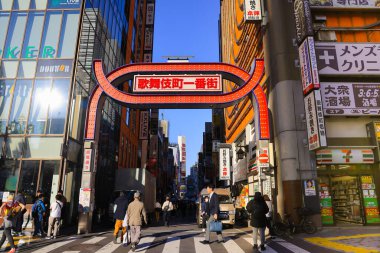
<point>125,221</point>
<point>127,238</point>
<point>216,226</point>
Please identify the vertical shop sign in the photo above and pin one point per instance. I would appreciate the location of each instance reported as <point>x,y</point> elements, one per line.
<point>150,14</point>
<point>304,24</point>
<point>148,57</point>
<point>148,45</point>
<point>315,121</point>
<point>326,205</point>
<point>87,160</point>
<point>144,125</point>
<point>308,64</point>
<point>370,200</point>
<point>252,10</point>
<point>224,164</point>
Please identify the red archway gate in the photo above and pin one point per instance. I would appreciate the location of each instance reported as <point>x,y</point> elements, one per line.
<point>248,86</point>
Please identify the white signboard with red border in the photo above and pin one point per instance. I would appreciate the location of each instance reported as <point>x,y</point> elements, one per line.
<point>252,10</point>
<point>224,164</point>
<point>308,64</point>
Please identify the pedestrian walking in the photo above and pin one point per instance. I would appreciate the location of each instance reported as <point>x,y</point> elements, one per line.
<point>258,209</point>
<point>167,208</point>
<point>9,210</point>
<point>121,205</point>
<point>214,211</point>
<point>205,212</point>
<point>55,217</point>
<point>158,211</point>
<point>135,210</point>
<point>38,213</point>
<point>269,215</point>
<point>19,219</point>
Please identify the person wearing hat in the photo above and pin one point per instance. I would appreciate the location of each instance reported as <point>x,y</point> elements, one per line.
<point>9,211</point>
<point>121,205</point>
<point>135,210</point>
<point>258,209</point>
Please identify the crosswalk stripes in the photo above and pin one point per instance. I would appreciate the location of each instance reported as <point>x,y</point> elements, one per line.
<point>108,248</point>
<point>144,244</point>
<point>52,247</point>
<point>73,251</point>
<point>231,246</point>
<point>95,240</point>
<point>200,247</point>
<point>268,248</point>
<point>172,245</point>
<point>292,247</point>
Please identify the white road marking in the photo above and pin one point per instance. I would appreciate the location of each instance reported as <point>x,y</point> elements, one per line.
<point>52,247</point>
<point>144,244</point>
<point>74,251</point>
<point>231,246</point>
<point>108,248</point>
<point>292,247</point>
<point>172,245</point>
<point>268,249</point>
<point>94,240</point>
<point>200,247</point>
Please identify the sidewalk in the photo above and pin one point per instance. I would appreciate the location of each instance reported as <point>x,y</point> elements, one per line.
<point>358,239</point>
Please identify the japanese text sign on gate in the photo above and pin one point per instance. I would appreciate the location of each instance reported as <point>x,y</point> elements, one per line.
<point>348,58</point>
<point>351,98</point>
<point>224,164</point>
<point>346,3</point>
<point>173,83</point>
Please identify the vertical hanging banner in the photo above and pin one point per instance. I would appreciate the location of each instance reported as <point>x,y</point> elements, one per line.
<point>252,10</point>
<point>150,13</point>
<point>308,64</point>
<point>148,45</point>
<point>314,120</point>
<point>224,164</point>
<point>304,24</point>
<point>144,125</point>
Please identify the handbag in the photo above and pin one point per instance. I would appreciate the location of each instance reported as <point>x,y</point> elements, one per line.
<point>216,226</point>
<point>127,238</point>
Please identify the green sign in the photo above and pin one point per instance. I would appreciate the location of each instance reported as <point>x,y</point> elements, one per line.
<point>371,208</point>
<point>326,211</point>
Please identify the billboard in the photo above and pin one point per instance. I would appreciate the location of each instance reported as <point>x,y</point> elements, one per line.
<point>304,23</point>
<point>308,64</point>
<point>350,99</point>
<point>175,83</point>
<point>314,120</point>
<point>345,3</point>
<point>224,164</point>
<point>252,10</point>
<point>54,68</point>
<point>348,58</point>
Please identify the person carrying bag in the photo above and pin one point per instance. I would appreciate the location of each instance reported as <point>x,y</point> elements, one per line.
<point>127,235</point>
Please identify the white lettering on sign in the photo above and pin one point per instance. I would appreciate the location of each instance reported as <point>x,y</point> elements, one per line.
<point>224,164</point>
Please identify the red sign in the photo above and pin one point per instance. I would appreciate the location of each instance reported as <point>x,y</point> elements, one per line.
<point>170,83</point>
<point>264,158</point>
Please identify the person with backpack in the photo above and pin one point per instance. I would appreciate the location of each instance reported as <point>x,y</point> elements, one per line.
<point>55,217</point>
<point>38,212</point>
<point>9,210</point>
<point>167,208</point>
<point>258,209</point>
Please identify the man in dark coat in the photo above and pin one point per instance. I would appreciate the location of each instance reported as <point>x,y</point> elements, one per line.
<point>258,209</point>
<point>121,204</point>
<point>19,219</point>
<point>214,211</point>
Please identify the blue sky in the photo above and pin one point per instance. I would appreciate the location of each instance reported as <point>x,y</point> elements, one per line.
<point>187,28</point>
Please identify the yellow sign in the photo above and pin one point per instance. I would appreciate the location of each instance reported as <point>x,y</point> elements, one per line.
<point>367,179</point>
<point>377,130</point>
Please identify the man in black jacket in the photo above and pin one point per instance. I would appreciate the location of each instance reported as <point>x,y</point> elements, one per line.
<point>121,204</point>
<point>214,211</point>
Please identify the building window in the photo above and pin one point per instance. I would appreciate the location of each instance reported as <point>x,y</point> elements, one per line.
<point>69,32</point>
<point>51,34</point>
<point>28,179</point>
<point>33,35</point>
<point>39,107</point>
<point>49,176</point>
<point>5,102</point>
<point>8,69</point>
<point>27,69</point>
<point>9,175</point>
<point>38,4</point>
<point>58,106</point>
<point>21,4</point>
<point>15,36</point>
<point>4,20</point>
<point>6,5</point>
<point>20,106</point>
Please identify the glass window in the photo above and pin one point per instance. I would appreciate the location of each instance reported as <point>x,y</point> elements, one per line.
<point>69,33</point>
<point>38,4</point>
<point>9,175</point>
<point>27,69</point>
<point>4,20</point>
<point>21,4</point>
<point>8,69</point>
<point>6,5</point>
<point>51,34</point>
<point>6,91</point>
<point>57,106</point>
<point>28,179</point>
<point>33,35</point>
<point>49,177</point>
<point>20,106</point>
<point>15,35</point>
<point>39,107</point>
<point>47,147</point>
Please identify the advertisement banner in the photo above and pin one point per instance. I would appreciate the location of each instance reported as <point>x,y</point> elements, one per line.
<point>371,205</point>
<point>150,13</point>
<point>315,121</point>
<point>348,58</point>
<point>144,125</point>
<point>304,23</point>
<point>54,68</point>
<point>345,156</point>
<point>224,164</point>
<point>148,45</point>
<point>350,99</point>
<point>252,10</point>
<point>64,4</point>
<point>87,161</point>
<point>346,3</point>
<point>309,186</point>
<point>308,64</point>
<point>175,83</point>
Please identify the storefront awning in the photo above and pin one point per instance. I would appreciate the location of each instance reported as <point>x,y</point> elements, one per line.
<point>345,156</point>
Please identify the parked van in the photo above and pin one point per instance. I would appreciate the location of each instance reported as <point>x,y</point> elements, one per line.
<point>226,206</point>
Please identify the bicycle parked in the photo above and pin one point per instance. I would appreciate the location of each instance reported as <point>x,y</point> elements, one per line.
<point>305,225</point>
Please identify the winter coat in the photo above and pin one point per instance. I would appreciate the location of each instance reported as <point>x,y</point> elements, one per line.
<point>258,209</point>
<point>135,210</point>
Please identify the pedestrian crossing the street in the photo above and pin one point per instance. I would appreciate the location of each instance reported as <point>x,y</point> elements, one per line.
<point>171,244</point>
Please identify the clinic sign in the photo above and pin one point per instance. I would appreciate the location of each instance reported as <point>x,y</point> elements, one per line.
<point>308,64</point>
<point>175,83</point>
<point>346,3</point>
<point>252,10</point>
<point>224,164</point>
<point>350,99</point>
<point>314,120</point>
<point>348,58</point>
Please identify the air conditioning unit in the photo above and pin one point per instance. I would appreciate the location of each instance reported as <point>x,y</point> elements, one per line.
<point>326,36</point>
